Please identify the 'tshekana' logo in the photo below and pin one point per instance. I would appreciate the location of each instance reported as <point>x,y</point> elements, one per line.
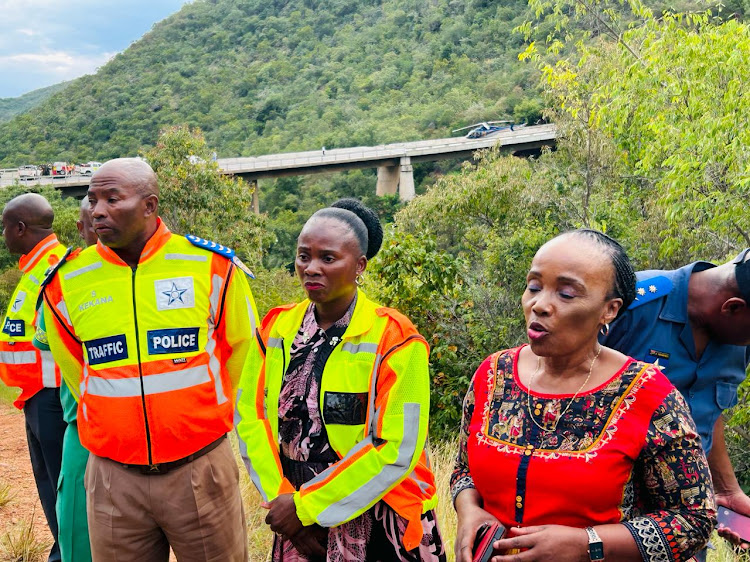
<point>94,301</point>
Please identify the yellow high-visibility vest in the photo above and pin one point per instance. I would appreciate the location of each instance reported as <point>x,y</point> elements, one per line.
<point>374,402</point>
<point>154,353</point>
<point>21,364</point>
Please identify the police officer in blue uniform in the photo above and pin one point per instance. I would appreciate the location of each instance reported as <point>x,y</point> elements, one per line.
<point>694,323</point>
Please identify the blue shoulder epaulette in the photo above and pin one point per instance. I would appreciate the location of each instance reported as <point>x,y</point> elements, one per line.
<point>221,250</point>
<point>69,254</point>
<point>651,289</point>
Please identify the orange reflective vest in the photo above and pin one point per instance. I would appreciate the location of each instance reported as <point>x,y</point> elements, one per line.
<point>381,362</point>
<point>154,353</point>
<point>21,364</point>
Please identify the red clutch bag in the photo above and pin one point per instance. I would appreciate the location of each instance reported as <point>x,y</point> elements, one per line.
<point>486,536</point>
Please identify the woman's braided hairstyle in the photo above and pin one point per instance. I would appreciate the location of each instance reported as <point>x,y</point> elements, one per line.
<point>361,220</point>
<point>625,280</point>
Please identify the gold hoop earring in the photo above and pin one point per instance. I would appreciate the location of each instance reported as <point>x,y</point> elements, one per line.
<point>358,279</point>
<point>604,330</point>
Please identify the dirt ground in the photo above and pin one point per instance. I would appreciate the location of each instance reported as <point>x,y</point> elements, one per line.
<point>15,469</point>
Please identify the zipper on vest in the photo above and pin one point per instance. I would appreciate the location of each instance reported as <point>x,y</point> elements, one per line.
<point>140,370</point>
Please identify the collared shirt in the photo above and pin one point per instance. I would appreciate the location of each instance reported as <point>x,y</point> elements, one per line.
<point>658,331</point>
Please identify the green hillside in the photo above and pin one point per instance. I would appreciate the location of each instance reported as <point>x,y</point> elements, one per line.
<point>258,77</point>
<point>10,107</point>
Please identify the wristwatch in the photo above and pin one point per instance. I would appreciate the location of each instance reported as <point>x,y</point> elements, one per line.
<point>596,547</point>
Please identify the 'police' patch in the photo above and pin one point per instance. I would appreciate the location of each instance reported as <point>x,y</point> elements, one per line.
<point>174,293</point>
<point>177,340</point>
<point>104,350</point>
<point>14,327</point>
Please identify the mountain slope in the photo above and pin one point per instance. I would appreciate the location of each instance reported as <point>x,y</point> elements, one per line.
<point>10,107</point>
<point>259,77</point>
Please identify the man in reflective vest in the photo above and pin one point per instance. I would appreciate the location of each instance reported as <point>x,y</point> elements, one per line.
<point>27,229</point>
<point>151,331</point>
<point>73,528</point>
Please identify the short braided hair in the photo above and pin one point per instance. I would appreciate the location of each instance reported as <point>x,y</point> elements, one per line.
<point>625,280</point>
<point>362,221</point>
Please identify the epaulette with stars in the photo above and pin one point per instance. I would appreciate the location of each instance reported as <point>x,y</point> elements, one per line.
<point>651,289</point>
<point>221,250</point>
<point>69,255</point>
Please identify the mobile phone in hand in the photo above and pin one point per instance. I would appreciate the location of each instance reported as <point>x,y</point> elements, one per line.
<point>740,524</point>
<point>487,534</point>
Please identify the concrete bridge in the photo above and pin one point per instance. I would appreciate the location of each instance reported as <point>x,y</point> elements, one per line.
<point>393,161</point>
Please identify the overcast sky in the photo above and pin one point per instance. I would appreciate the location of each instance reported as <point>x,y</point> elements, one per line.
<point>43,42</point>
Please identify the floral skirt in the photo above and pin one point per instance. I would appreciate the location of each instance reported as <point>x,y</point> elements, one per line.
<point>374,536</point>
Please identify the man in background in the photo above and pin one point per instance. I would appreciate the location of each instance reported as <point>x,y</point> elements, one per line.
<point>73,533</point>
<point>694,323</point>
<point>27,229</point>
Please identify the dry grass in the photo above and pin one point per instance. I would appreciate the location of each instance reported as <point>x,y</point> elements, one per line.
<point>20,543</point>
<point>6,494</point>
<point>443,455</point>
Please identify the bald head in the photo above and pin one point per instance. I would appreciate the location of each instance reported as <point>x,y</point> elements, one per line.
<point>31,208</point>
<point>132,172</point>
<point>27,220</point>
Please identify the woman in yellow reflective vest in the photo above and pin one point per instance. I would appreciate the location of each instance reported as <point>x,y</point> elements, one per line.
<point>334,410</point>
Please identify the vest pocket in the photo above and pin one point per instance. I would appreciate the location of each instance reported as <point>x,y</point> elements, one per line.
<point>345,408</point>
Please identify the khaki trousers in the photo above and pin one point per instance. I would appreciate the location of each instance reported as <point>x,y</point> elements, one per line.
<point>196,509</point>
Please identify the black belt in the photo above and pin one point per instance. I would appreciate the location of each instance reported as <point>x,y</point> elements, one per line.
<point>164,467</point>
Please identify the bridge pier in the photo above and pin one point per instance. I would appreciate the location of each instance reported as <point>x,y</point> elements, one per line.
<point>406,180</point>
<point>388,177</point>
<point>393,179</point>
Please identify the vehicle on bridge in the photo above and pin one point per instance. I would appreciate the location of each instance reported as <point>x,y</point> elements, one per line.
<point>28,172</point>
<point>485,128</point>
<point>89,168</point>
<point>61,169</point>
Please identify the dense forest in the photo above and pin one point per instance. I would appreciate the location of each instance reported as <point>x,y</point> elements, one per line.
<point>259,77</point>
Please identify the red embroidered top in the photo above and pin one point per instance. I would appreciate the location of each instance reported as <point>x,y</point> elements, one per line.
<point>626,451</point>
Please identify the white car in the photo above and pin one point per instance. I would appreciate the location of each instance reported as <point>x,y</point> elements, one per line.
<point>28,172</point>
<point>89,168</point>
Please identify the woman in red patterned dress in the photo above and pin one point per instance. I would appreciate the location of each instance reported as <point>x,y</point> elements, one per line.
<point>607,464</point>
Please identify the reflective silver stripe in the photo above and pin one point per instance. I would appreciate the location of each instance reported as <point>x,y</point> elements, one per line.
<point>254,476</point>
<point>373,389</point>
<point>33,279</point>
<point>214,297</point>
<point>187,257</point>
<point>64,311</point>
<point>82,384</point>
<point>215,366</point>
<point>250,315</point>
<point>366,442</point>
<point>18,357</point>
<point>368,494</point>
<point>213,361</point>
<point>363,347</point>
<point>77,272</point>
<point>40,251</point>
<point>152,384</point>
<point>49,380</point>
<point>278,343</point>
